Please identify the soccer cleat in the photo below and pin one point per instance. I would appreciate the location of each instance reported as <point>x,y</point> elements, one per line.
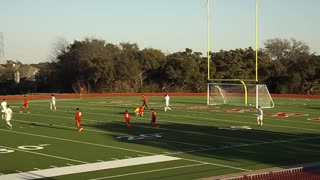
<point>80,129</point>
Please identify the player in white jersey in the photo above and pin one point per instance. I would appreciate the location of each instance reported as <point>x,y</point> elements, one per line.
<point>260,116</point>
<point>8,116</point>
<point>53,103</point>
<point>3,108</point>
<point>166,99</point>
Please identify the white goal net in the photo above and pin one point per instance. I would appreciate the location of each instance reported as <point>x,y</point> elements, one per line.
<point>239,94</point>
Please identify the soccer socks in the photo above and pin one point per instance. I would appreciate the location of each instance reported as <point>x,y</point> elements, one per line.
<point>9,124</point>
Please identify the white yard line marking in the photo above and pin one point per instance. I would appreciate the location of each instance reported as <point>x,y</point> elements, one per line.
<point>144,172</point>
<point>47,155</point>
<point>81,142</point>
<point>52,172</point>
<point>53,166</point>
<point>69,164</point>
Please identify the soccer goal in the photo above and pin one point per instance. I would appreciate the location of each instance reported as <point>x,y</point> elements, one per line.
<point>239,94</point>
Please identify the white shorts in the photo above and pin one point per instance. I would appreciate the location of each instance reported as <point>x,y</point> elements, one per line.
<point>260,117</point>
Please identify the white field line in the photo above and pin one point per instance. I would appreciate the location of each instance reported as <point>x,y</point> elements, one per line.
<point>150,171</point>
<point>52,172</point>
<point>47,155</point>
<point>81,142</point>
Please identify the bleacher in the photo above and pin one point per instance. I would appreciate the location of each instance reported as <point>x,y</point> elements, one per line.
<point>309,171</point>
<point>301,173</point>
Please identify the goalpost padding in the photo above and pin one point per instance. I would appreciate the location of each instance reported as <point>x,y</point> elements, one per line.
<point>239,94</point>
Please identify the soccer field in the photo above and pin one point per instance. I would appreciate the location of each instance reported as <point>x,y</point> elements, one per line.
<point>193,141</point>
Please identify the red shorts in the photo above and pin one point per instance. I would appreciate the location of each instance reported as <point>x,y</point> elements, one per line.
<point>25,105</point>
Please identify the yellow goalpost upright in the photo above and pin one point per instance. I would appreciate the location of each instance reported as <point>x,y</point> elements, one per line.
<point>245,86</point>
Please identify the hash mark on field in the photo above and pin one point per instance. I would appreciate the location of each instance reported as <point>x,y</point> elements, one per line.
<point>100,160</point>
<point>140,155</point>
<point>69,164</point>
<point>36,169</point>
<point>19,171</point>
<point>114,158</point>
<point>53,166</point>
<point>128,157</point>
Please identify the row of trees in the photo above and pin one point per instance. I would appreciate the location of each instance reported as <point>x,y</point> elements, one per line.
<point>286,66</point>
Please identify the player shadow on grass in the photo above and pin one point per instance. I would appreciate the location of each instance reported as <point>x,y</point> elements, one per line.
<point>245,148</point>
<point>313,107</point>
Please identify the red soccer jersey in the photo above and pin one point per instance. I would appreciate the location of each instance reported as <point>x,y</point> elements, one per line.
<point>154,115</point>
<point>78,116</point>
<point>144,98</point>
<point>126,116</point>
<point>141,110</point>
<point>25,101</point>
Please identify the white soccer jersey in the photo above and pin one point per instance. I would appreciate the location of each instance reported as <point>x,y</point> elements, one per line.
<point>8,114</point>
<point>3,106</point>
<point>166,100</point>
<point>53,100</point>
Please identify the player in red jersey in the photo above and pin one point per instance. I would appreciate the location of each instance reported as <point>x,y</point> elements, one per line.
<point>126,117</point>
<point>139,111</point>
<point>144,101</point>
<point>154,119</point>
<point>25,104</point>
<point>78,119</point>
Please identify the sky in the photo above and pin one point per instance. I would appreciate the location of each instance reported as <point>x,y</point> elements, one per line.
<point>32,27</point>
